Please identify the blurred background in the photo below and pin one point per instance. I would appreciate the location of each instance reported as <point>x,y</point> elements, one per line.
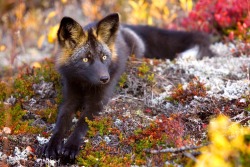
<point>28,27</point>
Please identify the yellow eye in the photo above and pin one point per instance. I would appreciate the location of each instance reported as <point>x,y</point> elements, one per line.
<point>85,59</point>
<point>104,57</point>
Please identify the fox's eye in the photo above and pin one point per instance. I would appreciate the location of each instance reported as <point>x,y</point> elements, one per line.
<point>104,57</point>
<point>85,59</point>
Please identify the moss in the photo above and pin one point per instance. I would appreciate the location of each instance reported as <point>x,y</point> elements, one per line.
<point>151,78</point>
<point>103,158</point>
<point>145,72</point>
<point>49,114</point>
<point>123,80</point>
<point>154,136</point>
<point>12,117</point>
<point>4,91</point>
<point>47,73</point>
<point>143,68</point>
<point>248,108</point>
<point>102,126</point>
<point>22,90</point>
<point>22,87</point>
<point>103,154</point>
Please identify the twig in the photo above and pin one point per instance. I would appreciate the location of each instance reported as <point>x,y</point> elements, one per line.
<point>126,96</point>
<point>189,155</point>
<point>244,120</point>
<point>174,150</point>
<point>248,72</point>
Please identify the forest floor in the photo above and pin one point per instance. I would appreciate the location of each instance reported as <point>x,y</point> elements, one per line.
<point>158,104</point>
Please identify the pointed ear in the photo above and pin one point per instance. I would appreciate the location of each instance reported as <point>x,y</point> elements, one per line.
<point>70,33</point>
<point>107,28</point>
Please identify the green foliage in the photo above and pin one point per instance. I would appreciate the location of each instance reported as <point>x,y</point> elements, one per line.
<point>22,89</point>
<point>145,72</point>
<point>151,78</point>
<point>49,114</point>
<point>102,157</point>
<point>143,69</point>
<point>123,80</point>
<point>47,73</point>
<point>11,116</point>
<point>4,91</point>
<point>248,108</point>
<point>160,133</point>
<point>101,126</point>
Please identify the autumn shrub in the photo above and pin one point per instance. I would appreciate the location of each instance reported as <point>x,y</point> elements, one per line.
<point>4,91</point>
<point>163,131</point>
<point>145,72</point>
<point>230,18</point>
<point>131,148</point>
<point>11,116</point>
<point>186,94</point>
<point>102,153</point>
<point>21,90</point>
<point>230,144</point>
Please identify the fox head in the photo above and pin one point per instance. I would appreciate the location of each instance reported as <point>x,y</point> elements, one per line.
<point>88,53</point>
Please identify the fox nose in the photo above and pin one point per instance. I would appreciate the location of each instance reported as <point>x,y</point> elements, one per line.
<point>104,79</point>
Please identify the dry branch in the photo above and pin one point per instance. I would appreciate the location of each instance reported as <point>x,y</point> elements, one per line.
<point>175,150</point>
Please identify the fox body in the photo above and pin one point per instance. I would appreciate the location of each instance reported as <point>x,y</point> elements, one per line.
<point>92,59</point>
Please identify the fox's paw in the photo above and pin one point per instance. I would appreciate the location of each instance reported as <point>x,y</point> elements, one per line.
<point>70,150</point>
<point>52,149</point>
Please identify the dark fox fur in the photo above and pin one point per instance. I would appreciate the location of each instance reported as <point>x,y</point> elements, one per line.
<point>91,62</point>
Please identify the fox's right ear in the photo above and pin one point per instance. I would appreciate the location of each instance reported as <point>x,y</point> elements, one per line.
<point>70,33</point>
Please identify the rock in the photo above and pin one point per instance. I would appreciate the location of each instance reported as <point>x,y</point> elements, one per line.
<point>6,130</point>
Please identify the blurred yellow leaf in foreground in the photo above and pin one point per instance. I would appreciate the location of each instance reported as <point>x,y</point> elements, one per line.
<point>229,144</point>
<point>40,41</point>
<point>186,5</point>
<point>36,65</point>
<point>52,35</point>
<point>64,1</point>
<point>2,48</point>
<point>50,16</point>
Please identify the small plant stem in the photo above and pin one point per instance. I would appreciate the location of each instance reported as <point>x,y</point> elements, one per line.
<point>175,150</point>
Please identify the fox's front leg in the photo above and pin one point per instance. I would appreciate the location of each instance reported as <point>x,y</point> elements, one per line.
<point>64,121</point>
<point>71,103</point>
<point>74,142</point>
<point>95,102</point>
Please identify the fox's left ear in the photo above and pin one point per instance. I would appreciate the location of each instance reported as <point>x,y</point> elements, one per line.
<point>107,28</point>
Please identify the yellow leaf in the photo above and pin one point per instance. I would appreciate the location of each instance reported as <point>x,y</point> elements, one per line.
<point>158,4</point>
<point>186,5</point>
<point>227,143</point>
<point>50,16</point>
<point>64,1</point>
<point>52,35</point>
<point>36,65</point>
<point>40,41</point>
<point>133,4</point>
<point>166,11</point>
<point>2,48</point>
<point>150,21</point>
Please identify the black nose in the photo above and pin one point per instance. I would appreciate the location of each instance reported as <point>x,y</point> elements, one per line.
<point>104,79</point>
